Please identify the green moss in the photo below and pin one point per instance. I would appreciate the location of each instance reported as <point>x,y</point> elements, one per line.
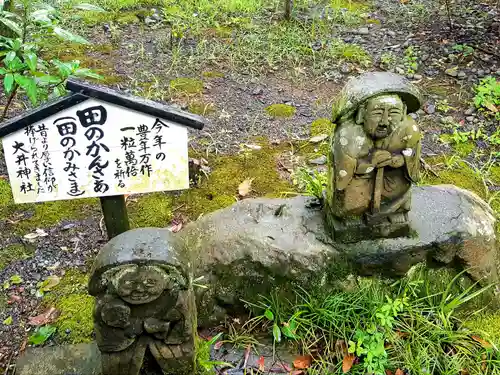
<point>14,252</point>
<point>186,85</point>
<point>127,19</point>
<point>75,324</point>
<point>464,149</point>
<point>151,210</point>
<point>44,214</point>
<point>217,191</point>
<point>210,74</point>
<point>281,110</point>
<point>321,126</point>
<point>488,324</point>
<point>201,108</point>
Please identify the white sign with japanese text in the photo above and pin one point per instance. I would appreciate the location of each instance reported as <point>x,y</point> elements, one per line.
<point>96,149</point>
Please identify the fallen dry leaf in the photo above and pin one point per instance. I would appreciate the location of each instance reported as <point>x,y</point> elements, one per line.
<point>45,318</point>
<point>13,298</point>
<point>491,107</point>
<point>388,372</point>
<point>245,187</point>
<point>176,227</point>
<point>399,372</point>
<point>247,354</point>
<point>302,362</point>
<point>218,345</point>
<point>260,362</point>
<point>485,344</point>
<point>347,362</point>
<point>318,138</point>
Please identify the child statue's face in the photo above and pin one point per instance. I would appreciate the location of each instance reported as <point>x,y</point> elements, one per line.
<point>140,284</point>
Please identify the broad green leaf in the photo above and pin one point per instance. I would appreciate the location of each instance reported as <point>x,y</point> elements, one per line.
<point>64,68</point>
<point>48,79</point>
<point>41,335</point>
<point>288,332</point>
<point>12,25</point>
<point>42,16</point>
<point>2,71</point>
<point>15,64</point>
<point>29,85</point>
<point>8,82</point>
<point>70,37</point>
<point>59,91</point>
<point>90,7</point>
<point>11,55</point>
<point>31,60</point>
<point>87,73</point>
<point>269,315</point>
<point>16,279</point>
<point>8,321</point>
<point>276,333</point>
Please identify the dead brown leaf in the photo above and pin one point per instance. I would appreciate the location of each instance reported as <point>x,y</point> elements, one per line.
<point>388,372</point>
<point>47,317</point>
<point>245,187</point>
<point>399,372</point>
<point>491,107</point>
<point>260,362</point>
<point>341,348</point>
<point>485,344</point>
<point>302,362</point>
<point>347,362</point>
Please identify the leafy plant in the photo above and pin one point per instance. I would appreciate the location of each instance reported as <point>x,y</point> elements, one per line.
<point>388,60</point>
<point>310,182</point>
<point>41,335</point>
<point>487,96</point>
<point>464,49</point>
<point>443,106</point>
<point>410,60</point>
<point>23,68</point>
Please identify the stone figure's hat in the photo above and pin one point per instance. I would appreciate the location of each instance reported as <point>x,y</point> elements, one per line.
<point>363,87</point>
<point>144,246</point>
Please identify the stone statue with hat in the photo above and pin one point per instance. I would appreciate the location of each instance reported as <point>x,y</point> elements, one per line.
<point>374,158</point>
<point>142,304</point>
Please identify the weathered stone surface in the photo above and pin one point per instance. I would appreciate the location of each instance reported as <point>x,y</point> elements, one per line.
<point>80,359</point>
<point>258,245</point>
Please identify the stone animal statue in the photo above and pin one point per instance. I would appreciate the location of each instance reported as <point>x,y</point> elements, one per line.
<point>374,158</point>
<point>141,304</point>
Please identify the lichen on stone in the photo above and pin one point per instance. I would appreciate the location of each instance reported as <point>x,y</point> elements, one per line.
<point>281,110</point>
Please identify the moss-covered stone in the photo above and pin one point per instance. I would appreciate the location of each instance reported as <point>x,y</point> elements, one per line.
<point>322,126</point>
<point>126,19</point>
<point>70,297</point>
<point>281,110</point>
<point>186,85</point>
<point>464,149</point>
<point>13,252</point>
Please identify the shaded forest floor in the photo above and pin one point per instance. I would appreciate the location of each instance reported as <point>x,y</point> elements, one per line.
<point>265,88</point>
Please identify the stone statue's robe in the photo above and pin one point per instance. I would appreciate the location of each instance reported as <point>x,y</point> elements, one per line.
<point>353,176</point>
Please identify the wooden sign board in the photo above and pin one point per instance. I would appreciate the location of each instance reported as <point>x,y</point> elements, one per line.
<point>97,142</point>
<point>96,149</point>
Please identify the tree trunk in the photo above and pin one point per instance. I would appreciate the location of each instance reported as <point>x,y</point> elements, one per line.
<point>288,9</point>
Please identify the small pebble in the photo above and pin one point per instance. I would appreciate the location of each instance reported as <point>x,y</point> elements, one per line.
<point>319,161</point>
<point>470,118</point>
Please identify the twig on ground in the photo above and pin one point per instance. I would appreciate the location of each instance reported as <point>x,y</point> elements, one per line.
<point>427,167</point>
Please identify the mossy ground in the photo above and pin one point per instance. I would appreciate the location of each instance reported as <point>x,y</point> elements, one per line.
<point>70,297</point>
<point>27,217</point>
<point>218,190</point>
<point>186,85</point>
<point>13,252</point>
<point>322,126</point>
<point>281,110</point>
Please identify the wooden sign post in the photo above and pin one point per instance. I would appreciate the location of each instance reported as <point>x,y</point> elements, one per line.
<point>97,142</point>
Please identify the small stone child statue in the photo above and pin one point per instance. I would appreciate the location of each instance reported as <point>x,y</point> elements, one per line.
<point>141,305</point>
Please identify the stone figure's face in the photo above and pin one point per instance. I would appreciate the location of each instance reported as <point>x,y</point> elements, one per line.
<point>382,115</point>
<point>140,284</point>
